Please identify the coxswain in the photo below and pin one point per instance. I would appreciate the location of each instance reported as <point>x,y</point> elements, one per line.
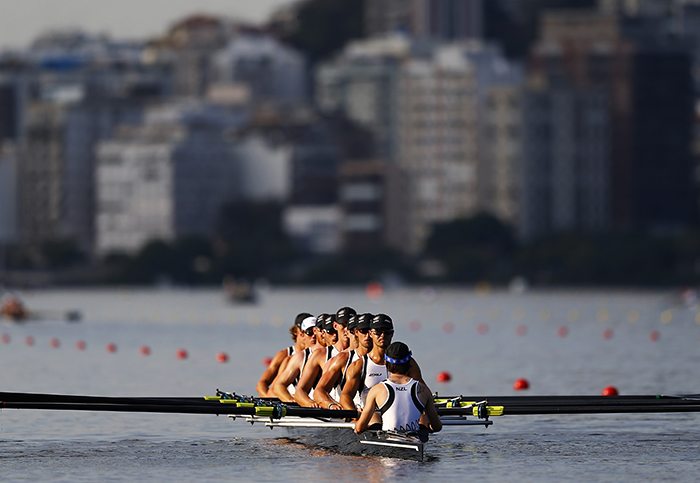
<point>329,387</point>
<point>284,385</point>
<point>400,403</point>
<point>370,370</point>
<point>280,359</point>
<point>313,370</point>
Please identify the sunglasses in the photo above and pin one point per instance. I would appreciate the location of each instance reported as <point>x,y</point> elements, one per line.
<point>331,331</point>
<point>309,331</point>
<point>362,331</point>
<point>383,331</point>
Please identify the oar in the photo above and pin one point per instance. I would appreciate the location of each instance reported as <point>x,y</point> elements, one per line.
<point>276,412</point>
<point>514,409</point>
<point>68,398</point>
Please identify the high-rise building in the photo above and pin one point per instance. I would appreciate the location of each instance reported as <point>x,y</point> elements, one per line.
<point>426,19</point>
<point>609,117</point>
<point>271,71</point>
<point>8,195</point>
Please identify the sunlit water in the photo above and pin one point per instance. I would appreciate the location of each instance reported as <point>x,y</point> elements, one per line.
<point>484,340</point>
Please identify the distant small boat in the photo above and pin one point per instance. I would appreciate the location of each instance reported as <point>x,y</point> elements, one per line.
<point>13,309</point>
<point>239,290</point>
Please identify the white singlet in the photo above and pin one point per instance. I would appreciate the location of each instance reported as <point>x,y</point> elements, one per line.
<point>402,409</point>
<point>372,374</point>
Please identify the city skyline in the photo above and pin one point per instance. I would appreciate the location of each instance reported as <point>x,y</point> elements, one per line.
<point>22,22</point>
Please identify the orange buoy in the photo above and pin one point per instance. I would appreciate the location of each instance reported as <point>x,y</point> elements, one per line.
<point>610,391</point>
<point>521,384</point>
<point>55,343</point>
<point>608,334</point>
<point>29,340</point>
<point>80,345</point>
<point>182,354</point>
<point>267,361</point>
<point>111,347</point>
<point>145,350</point>
<point>222,357</point>
<point>444,376</point>
<point>563,331</point>
<point>521,330</point>
<point>655,335</point>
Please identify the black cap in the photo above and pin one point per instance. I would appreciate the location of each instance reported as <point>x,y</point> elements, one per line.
<point>382,321</point>
<point>328,321</point>
<point>398,353</point>
<point>362,321</point>
<point>300,318</point>
<point>343,315</point>
<point>321,320</point>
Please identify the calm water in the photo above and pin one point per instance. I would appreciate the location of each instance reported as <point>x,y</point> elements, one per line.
<point>485,340</point>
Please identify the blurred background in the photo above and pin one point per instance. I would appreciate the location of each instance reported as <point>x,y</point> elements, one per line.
<point>510,142</point>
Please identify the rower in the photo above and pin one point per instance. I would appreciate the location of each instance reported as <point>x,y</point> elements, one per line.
<point>279,361</point>
<point>284,385</point>
<point>313,369</point>
<point>342,317</point>
<point>12,308</point>
<point>320,334</point>
<point>329,387</point>
<point>399,403</point>
<point>370,370</point>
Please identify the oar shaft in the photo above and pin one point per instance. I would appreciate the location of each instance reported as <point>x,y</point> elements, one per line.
<point>133,408</point>
<point>207,408</point>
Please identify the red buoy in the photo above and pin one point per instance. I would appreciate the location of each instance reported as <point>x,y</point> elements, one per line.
<point>267,361</point>
<point>654,335</point>
<point>55,343</point>
<point>222,357</point>
<point>521,330</point>
<point>6,338</point>
<point>482,329</point>
<point>608,334</point>
<point>80,345</point>
<point>111,347</point>
<point>521,384</point>
<point>181,354</point>
<point>414,326</point>
<point>610,391</point>
<point>444,376</point>
<point>145,350</point>
<point>563,331</point>
<point>448,327</point>
<point>29,340</point>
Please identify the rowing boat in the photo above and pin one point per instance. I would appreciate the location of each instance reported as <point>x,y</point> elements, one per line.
<point>330,428</point>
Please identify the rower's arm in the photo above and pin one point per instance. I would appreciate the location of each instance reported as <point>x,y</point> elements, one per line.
<point>279,386</point>
<point>270,373</point>
<point>312,369</point>
<point>332,371</point>
<point>369,409</point>
<point>435,424</point>
<point>352,385</point>
<point>414,372</point>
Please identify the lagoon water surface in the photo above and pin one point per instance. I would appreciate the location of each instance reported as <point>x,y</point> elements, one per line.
<point>563,342</point>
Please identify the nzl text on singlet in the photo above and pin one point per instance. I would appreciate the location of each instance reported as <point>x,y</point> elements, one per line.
<point>402,409</point>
